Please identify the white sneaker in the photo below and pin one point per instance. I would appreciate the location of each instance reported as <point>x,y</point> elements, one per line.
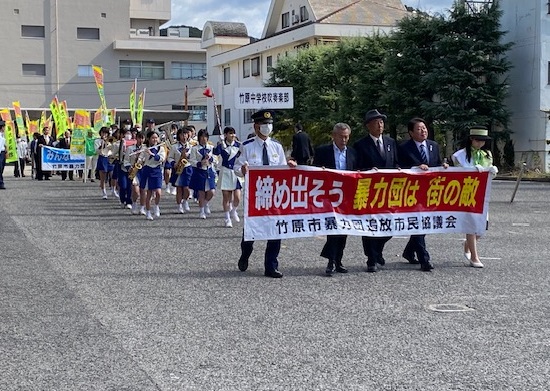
<point>180,209</point>
<point>207,209</point>
<point>149,216</point>
<point>156,210</point>
<point>228,223</point>
<point>174,190</point>
<point>104,196</point>
<point>129,206</point>
<point>235,215</point>
<point>142,210</point>
<point>476,264</point>
<point>135,209</point>
<point>115,193</point>
<point>202,215</point>
<point>186,206</point>
<point>468,256</point>
<point>168,189</point>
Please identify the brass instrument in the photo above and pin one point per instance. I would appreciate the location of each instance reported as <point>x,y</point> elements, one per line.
<point>138,165</point>
<point>180,165</point>
<point>146,149</point>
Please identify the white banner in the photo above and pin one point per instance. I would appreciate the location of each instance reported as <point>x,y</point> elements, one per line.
<point>264,98</point>
<point>56,159</point>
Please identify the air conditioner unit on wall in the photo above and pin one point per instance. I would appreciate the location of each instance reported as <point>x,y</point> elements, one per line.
<point>142,32</point>
<point>172,32</point>
<point>133,31</point>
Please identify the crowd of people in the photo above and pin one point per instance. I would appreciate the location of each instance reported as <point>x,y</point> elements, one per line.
<point>137,164</point>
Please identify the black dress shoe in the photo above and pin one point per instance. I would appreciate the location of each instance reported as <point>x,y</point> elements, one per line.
<point>341,269</point>
<point>411,259</point>
<point>371,269</point>
<point>243,264</point>
<point>381,261</point>
<point>426,267</point>
<point>330,268</point>
<point>273,274</point>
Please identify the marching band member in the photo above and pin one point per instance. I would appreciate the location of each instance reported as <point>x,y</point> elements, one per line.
<point>150,180</point>
<point>203,179</point>
<point>115,138</point>
<point>103,148</point>
<point>229,150</point>
<point>124,184</point>
<point>181,169</point>
<point>131,164</point>
<point>171,140</point>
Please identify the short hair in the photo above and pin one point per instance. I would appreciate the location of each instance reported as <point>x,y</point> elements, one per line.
<point>140,135</point>
<point>229,129</point>
<point>341,126</point>
<point>412,123</point>
<point>203,133</point>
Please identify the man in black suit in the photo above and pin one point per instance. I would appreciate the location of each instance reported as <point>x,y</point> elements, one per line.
<point>65,143</point>
<point>43,140</point>
<point>420,152</point>
<point>375,151</point>
<point>302,150</point>
<point>339,156</point>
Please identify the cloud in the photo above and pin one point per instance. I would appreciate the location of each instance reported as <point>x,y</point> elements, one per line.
<point>252,13</point>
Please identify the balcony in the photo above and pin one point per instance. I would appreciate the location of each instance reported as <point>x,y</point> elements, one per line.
<point>145,40</point>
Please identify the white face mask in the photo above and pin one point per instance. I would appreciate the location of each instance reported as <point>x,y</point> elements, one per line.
<point>126,127</point>
<point>266,129</point>
<point>128,136</point>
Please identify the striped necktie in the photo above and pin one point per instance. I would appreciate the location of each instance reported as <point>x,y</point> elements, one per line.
<point>423,154</point>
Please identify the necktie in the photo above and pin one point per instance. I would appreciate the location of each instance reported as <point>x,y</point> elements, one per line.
<point>423,154</point>
<point>265,158</point>
<point>380,147</point>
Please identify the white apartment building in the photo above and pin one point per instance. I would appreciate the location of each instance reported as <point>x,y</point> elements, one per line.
<point>528,26</point>
<point>233,62</point>
<point>49,47</point>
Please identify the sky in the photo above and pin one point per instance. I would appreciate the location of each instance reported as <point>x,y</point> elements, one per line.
<point>253,13</point>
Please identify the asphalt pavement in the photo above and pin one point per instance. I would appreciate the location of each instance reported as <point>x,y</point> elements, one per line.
<point>93,298</point>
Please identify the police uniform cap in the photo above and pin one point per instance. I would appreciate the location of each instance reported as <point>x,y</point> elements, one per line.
<point>263,117</point>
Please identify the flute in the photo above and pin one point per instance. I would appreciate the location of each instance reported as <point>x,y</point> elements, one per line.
<point>146,149</point>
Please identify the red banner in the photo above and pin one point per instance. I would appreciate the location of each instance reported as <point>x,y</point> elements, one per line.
<point>374,203</point>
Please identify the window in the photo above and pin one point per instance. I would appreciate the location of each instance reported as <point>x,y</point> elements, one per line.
<point>141,69</point>
<point>103,15</point>
<point>255,66</point>
<point>33,31</point>
<point>246,68</point>
<point>247,118</point>
<point>88,33</point>
<point>85,71</point>
<point>185,70</point>
<point>269,63</point>
<point>226,76</point>
<point>285,20</point>
<point>34,69</point>
<point>227,117</point>
<point>304,15</point>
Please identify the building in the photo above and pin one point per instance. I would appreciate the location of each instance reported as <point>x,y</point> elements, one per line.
<point>233,62</point>
<point>49,47</point>
<point>528,26</point>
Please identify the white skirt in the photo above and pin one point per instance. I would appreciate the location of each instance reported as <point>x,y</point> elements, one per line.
<point>228,180</point>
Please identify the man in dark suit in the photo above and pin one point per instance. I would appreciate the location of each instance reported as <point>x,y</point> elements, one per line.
<point>302,150</point>
<point>43,140</point>
<point>65,143</point>
<point>375,151</point>
<point>420,152</point>
<point>339,156</point>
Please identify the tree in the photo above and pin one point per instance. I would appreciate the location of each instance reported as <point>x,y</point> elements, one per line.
<point>469,75</point>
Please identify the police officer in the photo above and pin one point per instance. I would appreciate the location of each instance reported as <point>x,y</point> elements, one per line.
<point>257,151</point>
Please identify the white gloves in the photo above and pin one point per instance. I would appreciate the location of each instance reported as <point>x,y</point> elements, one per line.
<point>494,171</point>
<point>479,168</point>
